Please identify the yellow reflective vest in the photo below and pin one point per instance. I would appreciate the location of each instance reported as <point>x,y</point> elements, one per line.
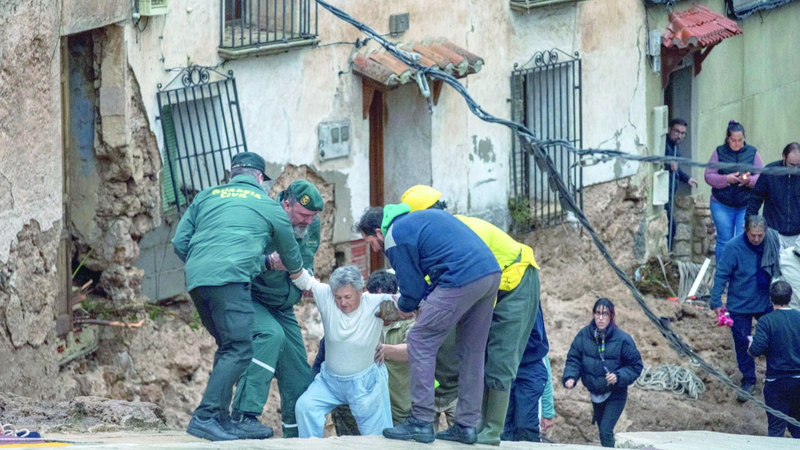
<point>512,256</point>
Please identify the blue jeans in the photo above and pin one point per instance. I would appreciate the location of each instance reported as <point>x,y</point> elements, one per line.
<point>522,416</point>
<point>783,394</point>
<point>367,394</point>
<point>729,222</point>
<point>606,414</point>
<point>743,327</point>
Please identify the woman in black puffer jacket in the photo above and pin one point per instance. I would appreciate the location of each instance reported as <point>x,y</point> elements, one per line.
<point>606,360</point>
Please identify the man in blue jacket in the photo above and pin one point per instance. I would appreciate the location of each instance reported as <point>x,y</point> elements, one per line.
<point>464,277</point>
<point>778,338</point>
<point>740,270</point>
<point>780,195</point>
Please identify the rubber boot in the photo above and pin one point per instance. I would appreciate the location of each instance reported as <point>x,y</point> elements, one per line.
<point>607,439</point>
<point>493,416</point>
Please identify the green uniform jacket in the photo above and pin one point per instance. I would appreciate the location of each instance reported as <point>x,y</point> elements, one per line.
<point>274,288</point>
<point>399,372</point>
<point>224,233</point>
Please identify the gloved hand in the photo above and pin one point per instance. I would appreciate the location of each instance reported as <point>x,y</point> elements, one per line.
<point>724,318</point>
<point>304,281</point>
<point>388,311</point>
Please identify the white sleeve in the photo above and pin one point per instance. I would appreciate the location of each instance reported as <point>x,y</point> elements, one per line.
<point>373,301</point>
<point>323,296</point>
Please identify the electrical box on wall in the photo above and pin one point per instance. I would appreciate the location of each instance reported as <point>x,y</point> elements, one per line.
<point>334,140</point>
<point>152,7</point>
<point>398,23</point>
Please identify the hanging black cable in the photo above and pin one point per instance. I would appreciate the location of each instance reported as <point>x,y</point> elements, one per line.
<point>534,147</point>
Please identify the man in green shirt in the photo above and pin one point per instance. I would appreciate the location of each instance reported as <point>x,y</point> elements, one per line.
<point>222,238</point>
<point>278,348</point>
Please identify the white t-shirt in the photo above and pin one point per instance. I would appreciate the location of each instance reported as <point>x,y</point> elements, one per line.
<point>350,339</point>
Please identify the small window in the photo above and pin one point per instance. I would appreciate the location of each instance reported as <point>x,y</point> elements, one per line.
<point>527,5</point>
<point>739,9</point>
<point>254,24</point>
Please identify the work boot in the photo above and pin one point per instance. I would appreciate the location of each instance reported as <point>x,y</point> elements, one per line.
<point>249,427</point>
<point>749,388</point>
<point>411,430</point>
<point>607,439</point>
<point>459,433</point>
<point>210,429</point>
<point>494,416</point>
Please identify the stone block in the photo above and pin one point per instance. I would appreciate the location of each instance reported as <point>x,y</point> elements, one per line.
<point>115,131</point>
<point>682,249</point>
<point>112,101</point>
<point>697,248</point>
<point>683,232</point>
<point>702,212</point>
<point>684,202</point>
<point>684,216</point>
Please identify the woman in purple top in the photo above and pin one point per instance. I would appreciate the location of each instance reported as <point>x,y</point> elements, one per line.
<point>730,186</point>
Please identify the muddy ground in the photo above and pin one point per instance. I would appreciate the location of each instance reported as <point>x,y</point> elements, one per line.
<point>167,361</point>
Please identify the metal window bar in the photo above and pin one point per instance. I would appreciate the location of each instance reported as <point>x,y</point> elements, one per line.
<point>254,23</point>
<point>202,129</point>
<point>547,98</point>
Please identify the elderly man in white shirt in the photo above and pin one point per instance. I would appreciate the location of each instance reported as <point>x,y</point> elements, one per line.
<point>349,375</point>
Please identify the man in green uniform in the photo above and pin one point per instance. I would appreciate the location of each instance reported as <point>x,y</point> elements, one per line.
<point>223,237</point>
<point>278,348</point>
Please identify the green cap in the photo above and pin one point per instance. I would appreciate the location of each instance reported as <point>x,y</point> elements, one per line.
<point>306,194</point>
<point>249,160</point>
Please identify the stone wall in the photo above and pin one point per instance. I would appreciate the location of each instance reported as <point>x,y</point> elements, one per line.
<point>30,195</point>
<point>695,235</point>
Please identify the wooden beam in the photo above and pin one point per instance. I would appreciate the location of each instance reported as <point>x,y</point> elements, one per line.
<point>437,89</point>
<point>367,93</point>
<point>376,175</point>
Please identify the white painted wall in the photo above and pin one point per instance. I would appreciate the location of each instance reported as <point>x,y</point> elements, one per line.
<point>284,97</point>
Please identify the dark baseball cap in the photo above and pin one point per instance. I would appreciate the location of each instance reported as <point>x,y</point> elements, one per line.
<point>249,160</point>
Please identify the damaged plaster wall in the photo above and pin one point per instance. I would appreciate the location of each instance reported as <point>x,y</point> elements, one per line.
<point>30,194</point>
<point>123,192</point>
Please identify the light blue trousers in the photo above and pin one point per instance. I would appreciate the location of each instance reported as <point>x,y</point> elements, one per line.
<point>367,394</point>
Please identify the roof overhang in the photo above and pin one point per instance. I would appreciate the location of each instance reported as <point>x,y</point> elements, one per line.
<point>695,31</point>
<point>382,71</point>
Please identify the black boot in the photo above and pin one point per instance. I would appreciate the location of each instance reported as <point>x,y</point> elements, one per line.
<point>411,430</point>
<point>607,439</point>
<point>249,427</point>
<point>459,433</point>
<point>210,429</point>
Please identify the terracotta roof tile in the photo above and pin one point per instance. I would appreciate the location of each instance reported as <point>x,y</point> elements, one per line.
<point>698,27</point>
<point>442,54</point>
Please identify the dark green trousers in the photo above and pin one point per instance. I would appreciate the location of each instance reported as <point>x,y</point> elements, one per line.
<point>512,320</point>
<point>278,351</point>
<point>227,313</point>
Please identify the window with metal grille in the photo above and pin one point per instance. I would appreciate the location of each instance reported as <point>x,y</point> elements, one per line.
<point>739,9</point>
<point>253,23</point>
<point>547,98</point>
<point>202,130</point>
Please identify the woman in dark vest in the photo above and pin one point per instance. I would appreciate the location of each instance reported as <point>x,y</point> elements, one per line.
<point>730,186</point>
<point>606,360</point>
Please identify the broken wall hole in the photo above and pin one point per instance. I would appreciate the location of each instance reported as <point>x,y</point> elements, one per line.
<point>111,163</point>
<point>84,278</point>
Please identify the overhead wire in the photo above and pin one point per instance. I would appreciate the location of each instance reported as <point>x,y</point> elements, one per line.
<point>534,147</point>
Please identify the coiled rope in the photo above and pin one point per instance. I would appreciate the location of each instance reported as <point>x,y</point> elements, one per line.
<point>670,377</point>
